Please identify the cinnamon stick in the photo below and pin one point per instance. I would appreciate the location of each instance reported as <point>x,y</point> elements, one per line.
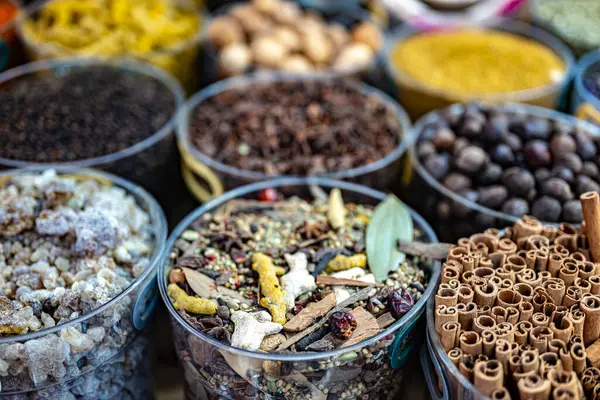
<point>455,355</point>
<point>578,354</point>
<point>500,394</point>
<point>466,314</point>
<point>488,376</point>
<point>590,204</point>
<point>593,354</point>
<point>591,327</point>
<point>534,387</point>
<point>449,335</point>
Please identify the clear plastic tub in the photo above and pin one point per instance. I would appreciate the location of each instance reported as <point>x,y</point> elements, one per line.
<point>41,364</point>
<point>207,178</point>
<point>153,162</point>
<point>419,99</point>
<point>206,361</point>
<point>179,61</point>
<point>584,104</point>
<point>466,217</point>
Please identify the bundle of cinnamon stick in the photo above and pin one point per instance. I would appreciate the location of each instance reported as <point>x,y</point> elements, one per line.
<point>518,310</point>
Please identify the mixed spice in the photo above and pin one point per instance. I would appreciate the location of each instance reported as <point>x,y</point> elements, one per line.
<point>518,310</point>
<point>296,127</point>
<point>68,245</point>
<point>288,276</point>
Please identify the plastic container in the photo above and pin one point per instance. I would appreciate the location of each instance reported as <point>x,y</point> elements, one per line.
<point>200,171</point>
<point>440,372</point>
<point>179,60</point>
<point>41,365</point>
<point>153,162</point>
<point>208,374</point>
<point>424,192</point>
<point>11,51</point>
<point>584,105</point>
<point>419,99</point>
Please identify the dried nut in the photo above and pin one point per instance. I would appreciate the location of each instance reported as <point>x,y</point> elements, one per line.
<point>355,56</point>
<point>296,63</point>
<point>339,35</point>
<point>287,37</point>
<point>369,34</point>
<point>287,13</point>
<point>224,31</point>
<point>268,51</point>
<point>250,19</point>
<point>234,59</point>
<point>266,6</point>
<point>317,47</point>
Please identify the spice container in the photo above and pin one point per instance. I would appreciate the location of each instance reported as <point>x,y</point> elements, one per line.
<point>515,315</point>
<point>281,36</point>
<point>79,253</point>
<point>463,63</point>
<point>10,48</point>
<point>347,359</point>
<point>123,114</point>
<point>479,166</point>
<point>160,32</point>
<point>575,22</point>
<point>248,129</point>
<point>585,102</point>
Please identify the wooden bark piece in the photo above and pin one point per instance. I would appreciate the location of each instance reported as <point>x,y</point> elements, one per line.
<point>333,281</point>
<point>593,354</point>
<point>590,203</point>
<point>309,314</point>
<point>385,320</point>
<point>366,327</point>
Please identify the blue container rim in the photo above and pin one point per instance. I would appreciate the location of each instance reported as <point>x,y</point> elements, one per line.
<point>411,316</point>
<point>584,64</point>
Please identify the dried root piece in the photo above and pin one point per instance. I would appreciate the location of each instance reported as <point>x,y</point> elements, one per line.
<point>251,329</point>
<point>343,263</point>
<point>195,305</point>
<point>298,280</point>
<point>273,297</point>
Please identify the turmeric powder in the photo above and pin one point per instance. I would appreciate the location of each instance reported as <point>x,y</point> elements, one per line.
<point>343,263</point>
<point>270,288</point>
<point>476,62</point>
<point>195,305</point>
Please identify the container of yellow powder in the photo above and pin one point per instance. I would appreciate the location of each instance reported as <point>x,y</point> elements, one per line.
<point>504,61</point>
<point>162,32</point>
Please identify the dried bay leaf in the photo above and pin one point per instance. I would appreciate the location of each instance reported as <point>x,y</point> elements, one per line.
<point>201,284</point>
<point>336,210</point>
<point>390,223</point>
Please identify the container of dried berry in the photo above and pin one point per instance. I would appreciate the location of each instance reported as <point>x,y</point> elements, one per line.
<point>165,33</point>
<point>515,313</point>
<point>585,102</point>
<point>281,35</point>
<point>117,116</point>
<point>281,289</point>
<point>495,61</point>
<point>247,129</point>
<point>79,250</point>
<point>479,166</point>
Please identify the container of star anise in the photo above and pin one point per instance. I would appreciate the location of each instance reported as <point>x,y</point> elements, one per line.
<point>295,288</point>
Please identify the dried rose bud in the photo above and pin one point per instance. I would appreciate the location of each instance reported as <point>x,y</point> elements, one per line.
<point>268,194</point>
<point>342,324</point>
<point>400,301</point>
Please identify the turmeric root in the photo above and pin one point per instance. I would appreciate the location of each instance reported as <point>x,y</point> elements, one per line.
<point>343,263</point>
<point>270,288</point>
<point>195,305</point>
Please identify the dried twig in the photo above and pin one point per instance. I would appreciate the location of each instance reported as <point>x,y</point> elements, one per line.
<point>310,242</point>
<point>333,281</point>
<point>436,251</point>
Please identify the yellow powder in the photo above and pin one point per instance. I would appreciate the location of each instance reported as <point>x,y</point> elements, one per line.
<point>477,62</point>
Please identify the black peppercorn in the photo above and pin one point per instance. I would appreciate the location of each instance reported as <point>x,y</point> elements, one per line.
<point>572,212</point>
<point>503,155</point>
<point>516,207</point>
<point>443,139</point>
<point>491,174</point>
<point>518,181</point>
<point>546,209</point>
<point>438,165</point>
<point>562,144</point>
<point>585,184</point>
<point>457,182</point>
<point>537,154</point>
<point>471,159</point>
<point>557,188</point>
<point>492,196</point>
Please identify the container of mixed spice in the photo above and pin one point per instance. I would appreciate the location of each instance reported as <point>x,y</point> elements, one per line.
<point>576,22</point>
<point>281,35</point>
<point>165,33</point>
<point>480,166</point>
<point>585,101</point>
<point>250,128</point>
<point>516,312</point>
<point>11,52</point>
<point>78,252</point>
<point>501,60</point>
<point>118,116</point>
<point>280,289</point>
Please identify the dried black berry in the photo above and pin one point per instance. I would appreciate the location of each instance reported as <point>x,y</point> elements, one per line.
<point>585,184</point>
<point>460,210</point>
<point>457,182</point>
<point>459,144</point>
<point>443,210</point>
<point>590,168</point>
<point>438,165</point>
<point>443,139</point>
<point>514,142</point>
<point>562,144</point>
<point>557,188</point>
<point>516,207</point>
<point>425,150</point>
<point>537,128</point>
<point>503,155</point>
<point>518,181</point>
<point>563,173</point>
<point>471,159</point>
<point>546,209</point>
<point>585,146</point>
<point>537,154</point>
<point>490,175</point>
<point>571,161</point>
<point>471,127</point>
<point>342,324</point>
<point>400,302</point>
<point>541,174</point>
<point>496,128</point>
<point>492,196</point>
<point>572,212</point>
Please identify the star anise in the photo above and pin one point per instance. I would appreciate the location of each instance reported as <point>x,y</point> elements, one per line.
<point>313,230</point>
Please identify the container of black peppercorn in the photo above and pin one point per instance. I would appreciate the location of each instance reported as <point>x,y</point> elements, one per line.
<point>585,102</point>
<point>114,115</point>
<point>255,127</point>
<point>480,166</point>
